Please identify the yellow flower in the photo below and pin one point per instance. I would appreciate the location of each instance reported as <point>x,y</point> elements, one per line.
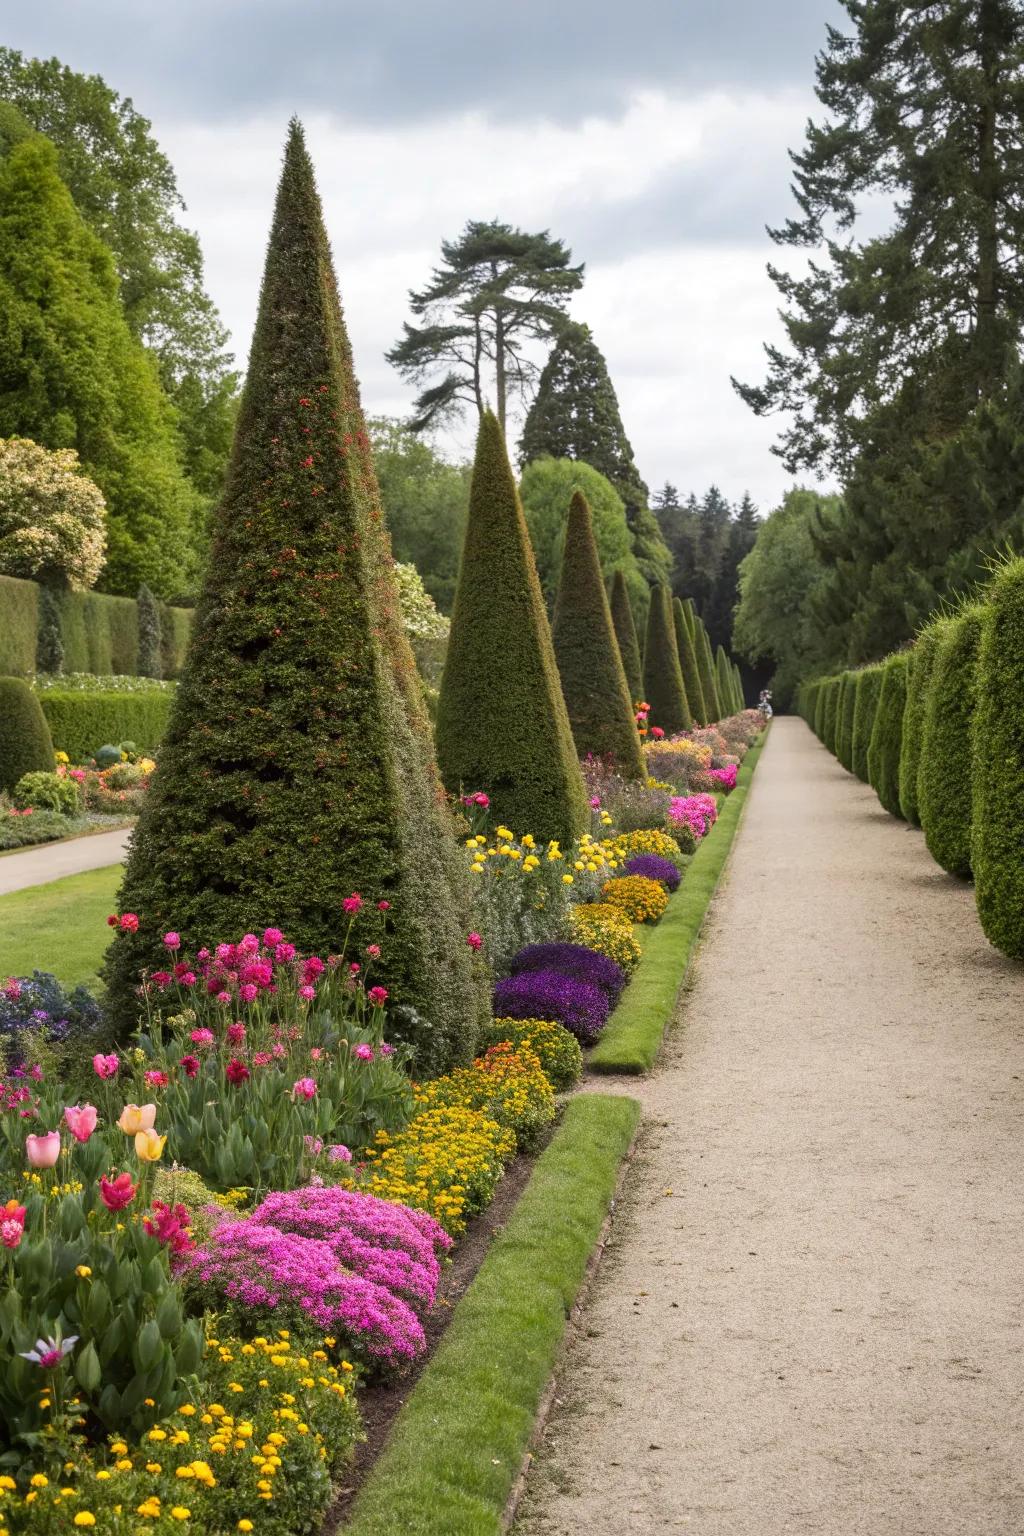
<point>149,1146</point>
<point>567,879</point>
<point>179,1512</point>
<point>83,1517</point>
<point>9,1484</point>
<point>154,1466</point>
<point>103,1476</point>
<point>39,1480</point>
<point>187,1408</point>
<point>246,1525</point>
<point>83,1271</point>
<point>134,1118</point>
<point>158,1434</point>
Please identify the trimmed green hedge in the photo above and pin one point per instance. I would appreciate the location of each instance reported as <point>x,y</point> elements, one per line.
<point>887,734</point>
<point>99,633</point>
<point>844,730</point>
<point>830,724</point>
<point>19,624</point>
<point>25,745</point>
<point>944,775</point>
<point>869,685</point>
<point>81,722</point>
<point>997,852</point>
<point>922,665</point>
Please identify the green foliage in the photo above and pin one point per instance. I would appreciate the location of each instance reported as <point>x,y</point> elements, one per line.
<point>49,643</point>
<point>73,376</point>
<point>724,683</point>
<point>887,734</point>
<point>869,684</point>
<point>80,722</point>
<point>708,540</point>
<point>682,618</point>
<point>919,676</point>
<point>19,625</point>
<point>150,659</point>
<point>497,290</point>
<point>426,500</point>
<point>546,489</point>
<point>25,742</point>
<point>297,766</point>
<point>589,665</point>
<point>175,633</point>
<point>47,791</point>
<point>426,629</point>
<point>626,635</point>
<point>501,718</point>
<point>830,714</point>
<point>52,517</point>
<point>998,766</point>
<point>844,725</point>
<point>706,670</point>
<point>945,771</point>
<point>664,689</point>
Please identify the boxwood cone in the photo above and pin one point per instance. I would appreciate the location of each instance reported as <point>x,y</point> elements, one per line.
<point>25,742</point>
<point>297,765</point>
<point>664,690</point>
<point>625,633</point>
<point>688,662</point>
<point>706,670</point>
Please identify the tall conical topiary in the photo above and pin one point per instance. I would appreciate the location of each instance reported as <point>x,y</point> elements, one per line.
<point>869,684</point>
<point>738,681</point>
<point>945,770</point>
<point>723,682</point>
<point>625,633</point>
<point>593,679</point>
<point>501,719</point>
<point>998,816</point>
<point>887,733</point>
<point>706,672</point>
<point>922,664</point>
<point>688,663</point>
<point>296,768</point>
<point>664,689</point>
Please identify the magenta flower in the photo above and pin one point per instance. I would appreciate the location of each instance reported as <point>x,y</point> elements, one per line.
<point>160,979</point>
<point>283,953</point>
<point>383,906</point>
<point>352,903</point>
<point>105,1066</point>
<point>81,1120</point>
<point>272,936</point>
<point>387,1050</point>
<point>189,1065</point>
<point>172,940</point>
<point>378,996</point>
<point>225,953</point>
<point>363,1051</point>
<point>129,923</point>
<point>373,950</point>
<point>248,944</point>
<point>339,1153</point>
<point>236,1071</point>
<point>249,992</point>
<point>305,1088</point>
<point>49,1353</point>
<point>201,1037</point>
<point>307,993</point>
<point>236,1033</point>
<point>223,997</point>
<point>156,1079</point>
<point>354,968</point>
<point>474,940</point>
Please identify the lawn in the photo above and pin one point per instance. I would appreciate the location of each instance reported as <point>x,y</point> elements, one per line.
<point>59,927</point>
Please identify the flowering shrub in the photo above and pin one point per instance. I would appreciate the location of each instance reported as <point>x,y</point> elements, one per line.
<point>608,930</point>
<point>92,682</point>
<point>506,1084</point>
<point>651,867</point>
<point>575,960</point>
<point>579,1005</point>
<point>648,840</point>
<point>677,759</point>
<point>698,812</point>
<point>626,803</point>
<point>47,792</point>
<point>739,732</point>
<point>52,516</point>
<point>725,777</point>
<point>36,1012</point>
<point>556,1049</point>
<point>642,900</point>
<point>447,1161</point>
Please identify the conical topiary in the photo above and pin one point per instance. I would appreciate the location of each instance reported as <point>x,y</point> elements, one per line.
<point>688,663</point>
<point>625,633</point>
<point>664,689</point>
<point>593,680</point>
<point>998,814</point>
<point>945,770</point>
<point>887,733</point>
<point>25,742</point>
<point>723,682</point>
<point>296,766</point>
<point>706,671</point>
<point>922,664</point>
<point>502,726</point>
<point>738,680</point>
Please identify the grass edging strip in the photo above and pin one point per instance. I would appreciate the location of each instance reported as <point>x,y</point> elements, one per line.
<point>457,1447</point>
<point>633,1035</point>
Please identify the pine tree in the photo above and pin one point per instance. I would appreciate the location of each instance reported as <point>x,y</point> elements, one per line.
<point>625,633</point>
<point>49,636</point>
<point>688,662</point>
<point>589,664</point>
<point>501,719</point>
<point>706,671</point>
<point>296,767</point>
<point>945,771</point>
<point>150,663</point>
<point>664,689</point>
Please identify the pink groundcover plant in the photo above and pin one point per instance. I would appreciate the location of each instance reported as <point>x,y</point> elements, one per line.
<point>698,812</point>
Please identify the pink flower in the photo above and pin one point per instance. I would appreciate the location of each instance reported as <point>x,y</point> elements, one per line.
<point>105,1066</point>
<point>657,732</point>
<point>339,1153</point>
<point>12,987</point>
<point>305,1088</point>
<point>236,1071</point>
<point>118,1193</point>
<point>262,1059</point>
<point>189,1065</point>
<point>129,922</point>
<point>272,936</point>
<point>595,801</point>
<point>283,953</point>
<point>474,940</point>
<point>354,968</point>
<point>170,1226</point>
<point>12,1224</point>
<point>383,906</point>
<point>387,1050</point>
<point>236,1033</point>
<point>307,993</point>
<point>482,800</point>
<point>378,996</point>
<point>160,979</point>
<point>363,1051</point>
<point>223,997</point>
<point>316,1053</point>
<point>157,1079</point>
<point>42,1151</point>
<point>172,940</point>
<point>249,993</point>
<point>352,903</point>
<point>314,1146</point>
<point>187,978</point>
<point>373,950</point>
<point>225,952</point>
<point>81,1120</point>
<point>313,968</point>
<point>201,1037</point>
<point>248,944</point>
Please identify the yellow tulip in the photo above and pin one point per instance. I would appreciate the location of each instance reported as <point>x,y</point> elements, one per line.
<point>135,1118</point>
<point>149,1146</point>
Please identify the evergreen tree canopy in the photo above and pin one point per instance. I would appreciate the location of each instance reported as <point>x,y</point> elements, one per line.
<point>597,696</point>
<point>683,621</point>
<point>501,719</point>
<point>626,635</point>
<point>664,689</point>
<point>723,682</point>
<point>708,540</point>
<point>546,488</point>
<point>426,500</point>
<point>297,765</point>
<point>72,375</point>
<point>496,290</point>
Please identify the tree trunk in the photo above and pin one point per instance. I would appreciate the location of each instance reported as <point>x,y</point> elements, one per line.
<point>499,366</point>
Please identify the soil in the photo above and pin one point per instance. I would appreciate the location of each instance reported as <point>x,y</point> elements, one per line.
<point>808,1318</point>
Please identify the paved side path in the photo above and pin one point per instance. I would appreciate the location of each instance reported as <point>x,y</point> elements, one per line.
<point>810,1319</point>
<point>51,861</point>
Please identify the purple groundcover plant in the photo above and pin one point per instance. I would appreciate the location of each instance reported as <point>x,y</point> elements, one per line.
<point>576,961</point>
<point>653,867</point>
<point>264,1268</point>
<point>579,1005</point>
<point>387,1243</point>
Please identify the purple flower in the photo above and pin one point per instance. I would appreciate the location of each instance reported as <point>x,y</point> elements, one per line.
<point>579,1005</point>
<point>575,961</point>
<point>50,1352</point>
<point>653,867</point>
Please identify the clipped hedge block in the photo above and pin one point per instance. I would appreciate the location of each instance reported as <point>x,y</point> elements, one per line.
<point>945,771</point>
<point>997,835</point>
<point>80,722</point>
<point>869,686</point>
<point>887,734</point>
<point>922,665</point>
<point>19,626</point>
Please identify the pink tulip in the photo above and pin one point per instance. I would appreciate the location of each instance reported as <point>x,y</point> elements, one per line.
<point>81,1120</point>
<point>43,1151</point>
<point>105,1066</point>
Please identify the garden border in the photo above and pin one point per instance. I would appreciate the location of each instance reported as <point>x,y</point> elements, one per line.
<point>454,1464</point>
<point>633,1035</point>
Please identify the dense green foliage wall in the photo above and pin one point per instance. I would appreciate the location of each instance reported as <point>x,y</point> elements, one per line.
<point>945,769</point>
<point>81,722</point>
<point>997,837</point>
<point>99,633</point>
<point>830,720</point>
<point>887,734</point>
<point>844,723</point>
<point>869,686</point>
<point>546,488</point>
<point>25,742</point>
<point>922,664</point>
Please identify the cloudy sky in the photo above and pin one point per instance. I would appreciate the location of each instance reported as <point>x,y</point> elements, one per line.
<point>652,137</point>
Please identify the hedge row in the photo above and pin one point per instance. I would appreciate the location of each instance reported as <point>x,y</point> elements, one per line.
<point>81,722</point>
<point>98,633</point>
<point>938,732</point>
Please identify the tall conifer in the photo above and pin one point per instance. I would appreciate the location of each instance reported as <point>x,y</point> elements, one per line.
<point>688,663</point>
<point>625,633</point>
<point>664,689</point>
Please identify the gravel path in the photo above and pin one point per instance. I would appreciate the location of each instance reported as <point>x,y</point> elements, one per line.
<point>51,861</point>
<point>809,1319</point>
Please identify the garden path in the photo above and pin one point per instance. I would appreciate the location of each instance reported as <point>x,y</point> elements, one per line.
<point>51,861</point>
<point>809,1315</point>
